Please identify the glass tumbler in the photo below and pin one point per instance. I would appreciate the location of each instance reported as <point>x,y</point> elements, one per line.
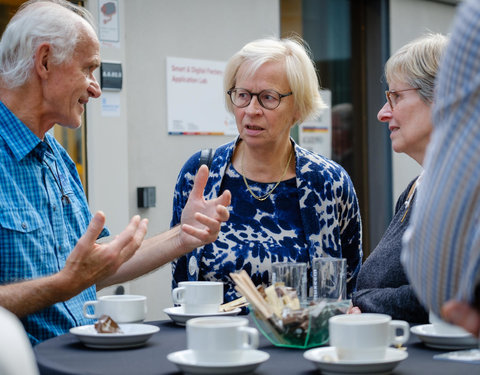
<point>293,275</point>
<point>329,278</point>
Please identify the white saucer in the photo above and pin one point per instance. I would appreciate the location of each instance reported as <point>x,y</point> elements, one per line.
<point>326,361</point>
<point>427,334</point>
<point>179,317</point>
<point>186,362</point>
<point>133,335</point>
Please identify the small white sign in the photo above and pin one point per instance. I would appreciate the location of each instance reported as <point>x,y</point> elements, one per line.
<point>108,26</point>
<point>316,135</point>
<point>110,104</point>
<point>195,98</point>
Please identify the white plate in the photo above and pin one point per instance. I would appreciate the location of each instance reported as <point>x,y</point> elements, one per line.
<point>133,335</point>
<point>186,362</point>
<point>326,360</point>
<point>427,334</point>
<point>179,317</point>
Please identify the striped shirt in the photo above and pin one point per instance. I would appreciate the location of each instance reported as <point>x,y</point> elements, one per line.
<point>39,227</point>
<point>442,245</point>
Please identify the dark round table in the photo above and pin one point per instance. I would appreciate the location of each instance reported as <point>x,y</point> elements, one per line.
<point>66,355</point>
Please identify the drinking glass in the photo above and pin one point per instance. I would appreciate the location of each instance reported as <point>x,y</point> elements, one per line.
<point>329,278</point>
<point>293,275</point>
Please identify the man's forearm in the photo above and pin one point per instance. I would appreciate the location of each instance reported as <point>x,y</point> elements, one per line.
<point>154,253</point>
<point>26,297</point>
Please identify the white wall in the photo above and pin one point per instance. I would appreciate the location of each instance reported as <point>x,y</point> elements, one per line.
<point>151,30</point>
<point>107,140</point>
<point>410,19</point>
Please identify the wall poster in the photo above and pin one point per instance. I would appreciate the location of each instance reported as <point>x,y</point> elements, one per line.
<point>316,135</point>
<point>195,98</point>
<point>108,27</point>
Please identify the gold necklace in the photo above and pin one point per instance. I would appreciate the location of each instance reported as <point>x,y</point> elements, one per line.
<point>263,197</point>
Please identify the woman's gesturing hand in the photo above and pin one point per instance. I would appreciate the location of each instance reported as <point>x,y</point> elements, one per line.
<point>201,219</point>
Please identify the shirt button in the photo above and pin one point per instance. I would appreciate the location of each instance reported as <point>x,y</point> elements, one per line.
<point>24,225</point>
<point>54,207</point>
<point>192,266</point>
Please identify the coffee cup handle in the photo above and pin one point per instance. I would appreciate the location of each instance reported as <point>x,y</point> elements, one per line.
<point>404,327</point>
<point>250,338</point>
<point>178,294</point>
<point>85,306</point>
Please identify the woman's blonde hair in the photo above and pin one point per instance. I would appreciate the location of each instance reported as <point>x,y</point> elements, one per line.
<point>299,67</point>
<point>416,64</point>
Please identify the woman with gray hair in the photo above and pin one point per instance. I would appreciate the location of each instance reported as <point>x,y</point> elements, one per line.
<point>288,204</point>
<point>382,285</point>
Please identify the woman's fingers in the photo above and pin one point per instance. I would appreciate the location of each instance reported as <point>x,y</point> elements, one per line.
<point>200,182</point>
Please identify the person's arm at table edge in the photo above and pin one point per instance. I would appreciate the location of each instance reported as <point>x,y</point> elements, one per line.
<point>104,264</point>
<point>200,224</point>
<point>26,297</point>
<point>154,253</point>
<point>87,263</point>
<point>463,314</point>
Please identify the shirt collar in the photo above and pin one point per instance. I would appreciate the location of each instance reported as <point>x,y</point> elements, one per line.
<point>18,137</point>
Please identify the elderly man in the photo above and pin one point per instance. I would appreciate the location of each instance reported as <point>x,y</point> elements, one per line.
<point>50,263</point>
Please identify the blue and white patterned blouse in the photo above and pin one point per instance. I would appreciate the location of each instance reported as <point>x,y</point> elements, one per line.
<point>312,215</point>
<point>37,229</point>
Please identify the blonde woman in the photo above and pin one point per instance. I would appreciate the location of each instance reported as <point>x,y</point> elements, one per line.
<point>288,204</point>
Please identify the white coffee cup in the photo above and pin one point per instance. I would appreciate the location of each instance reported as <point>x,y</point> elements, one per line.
<point>220,339</point>
<point>441,327</point>
<point>365,336</point>
<point>125,308</point>
<point>199,297</point>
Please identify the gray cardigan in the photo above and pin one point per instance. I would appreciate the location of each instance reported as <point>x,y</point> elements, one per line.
<point>382,285</point>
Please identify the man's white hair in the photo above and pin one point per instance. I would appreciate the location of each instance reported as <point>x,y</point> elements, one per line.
<point>56,22</point>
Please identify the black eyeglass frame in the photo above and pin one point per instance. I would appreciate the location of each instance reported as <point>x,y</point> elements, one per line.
<point>390,92</point>
<point>252,94</point>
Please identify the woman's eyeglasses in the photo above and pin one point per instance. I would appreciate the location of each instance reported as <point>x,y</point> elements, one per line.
<point>268,99</point>
<point>392,96</point>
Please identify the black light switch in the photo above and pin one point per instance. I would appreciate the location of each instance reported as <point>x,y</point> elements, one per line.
<point>146,196</point>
